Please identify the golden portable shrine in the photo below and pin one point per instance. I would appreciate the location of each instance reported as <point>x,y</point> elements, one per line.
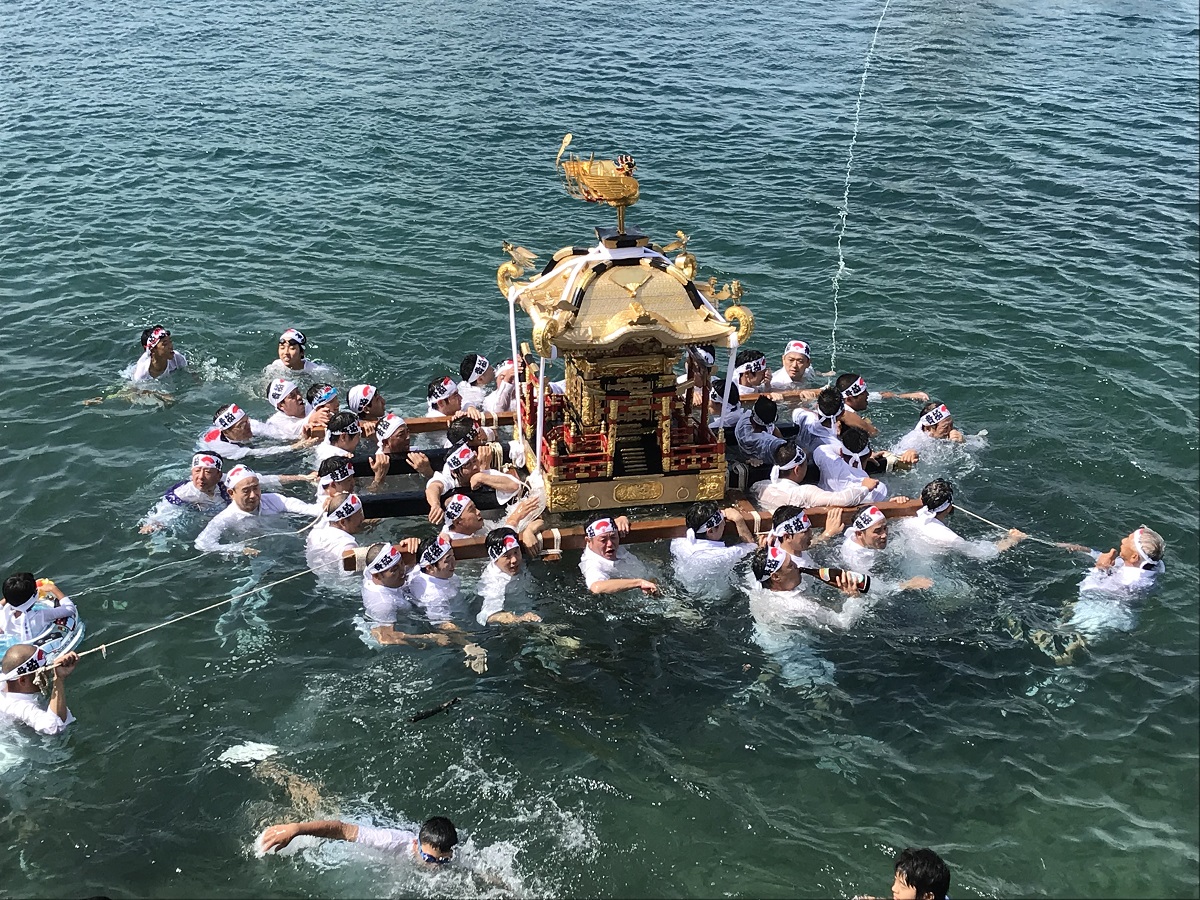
<point>621,315</point>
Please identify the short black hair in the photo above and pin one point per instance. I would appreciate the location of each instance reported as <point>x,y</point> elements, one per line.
<point>746,355</point>
<point>855,439</point>
<point>496,537</point>
<point>461,430</point>
<point>924,871</point>
<point>758,565</point>
<point>467,366</point>
<point>439,834</point>
<point>423,546</point>
<point>699,513</point>
<point>786,513</point>
<point>432,386</point>
<point>844,381</point>
<point>728,397</point>
<point>18,587</point>
<point>340,421</point>
<point>331,464</point>
<point>936,493</point>
<point>146,332</point>
<point>829,401</point>
<point>785,452</point>
<point>766,409</point>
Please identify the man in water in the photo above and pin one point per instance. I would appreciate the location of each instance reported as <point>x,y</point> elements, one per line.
<point>293,347</point>
<point>608,567</point>
<point>820,426</point>
<point>794,378</point>
<point>505,572</point>
<point>20,617</point>
<point>756,434</point>
<point>702,560</point>
<point>845,462</point>
<point>395,439</point>
<point>366,402</point>
<point>465,472</point>
<point>854,392</point>
<point>782,601</point>
<point>795,480</point>
<point>919,875</point>
<point>935,424</point>
<point>329,539</point>
<point>291,420</point>
<point>323,397</point>
<point>159,357</point>
<point>342,437</point>
<point>202,491</point>
<point>19,700</point>
<point>792,530</point>
<point>248,512</point>
<point>750,372</point>
<point>231,433</point>
<point>931,533</point>
<point>477,373</point>
<point>432,846</point>
<point>865,538</point>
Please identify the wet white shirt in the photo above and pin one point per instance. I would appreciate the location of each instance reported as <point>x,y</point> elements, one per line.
<point>27,708</point>
<point>596,568</point>
<point>433,595</point>
<point>780,381</point>
<point>326,450</point>
<point>324,547</point>
<point>281,427</point>
<point>387,840</point>
<point>770,495</point>
<point>935,537</point>
<point>27,626</point>
<point>233,519</point>
<point>141,370</point>
<point>446,483</point>
<point>494,588</point>
<point>837,474</point>
<point>703,566</point>
<point>383,604</point>
<point>856,557</point>
<point>794,608</point>
<point>812,433</point>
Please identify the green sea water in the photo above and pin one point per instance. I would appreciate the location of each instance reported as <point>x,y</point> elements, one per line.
<point>1021,241</point>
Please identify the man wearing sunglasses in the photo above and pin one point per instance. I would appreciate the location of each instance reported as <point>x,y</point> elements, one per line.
<point>433,845</point>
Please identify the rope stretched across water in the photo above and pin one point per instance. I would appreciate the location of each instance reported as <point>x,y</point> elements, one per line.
<point>1002,528</point>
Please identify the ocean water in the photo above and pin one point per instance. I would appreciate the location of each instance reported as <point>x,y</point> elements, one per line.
<point>1021,241</point>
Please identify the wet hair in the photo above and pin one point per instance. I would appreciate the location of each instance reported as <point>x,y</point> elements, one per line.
<point>314,391</point>
<point>331,465</point>
<point>495,538</point>
<point>699,513</point>
<point>786,512</point>
<point>220,409</point>
<point>746,355</point>
<point>758,565</point>
<point>146,332</point>
<point>844,381</point>
<point>467,366</point>
<point>425,545</point>
<point>924,871</point>
<point>855,439</point>
<point>1151,542</point>
<point>461,430</point>
<point>936,493</point>
<point>785,452</point>
<point>432,386</point>
<point>932,404</point>
<point>18,587</point>
<point>439,834</point>
<point>829,401</point>
<point>766,409</point>
<point>339,421</point>
<point>729,397</point>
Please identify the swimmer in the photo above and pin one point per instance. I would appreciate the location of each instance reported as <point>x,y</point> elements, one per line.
<point>931,532</point>
<point>202,491</point>
<point>820,426</point>
<point>432,846</point>
<point>935,424</point>
<point>248,511</point>
<point>365,401</point>
<point>780,598</point>
<point>329,539</point>
<point>394,439</point>
<point>795,480</point>
<point>756,434</point>
<point>433,584</point>
<point>159,357</point>
<point>504,572</point>
<point>794,377</point>
<point>865,538</point>
<point>342,437</point>
<point>291,420</point>
<point>20,617</point>
<point>231,433</point>
<point>750,372</point>
<point>293,348</point>
<point>323,397</point>
<point>465,472</point>
<point>919,875</point>
<point>608,567</point>
<point>19,701</point>
<point>854,391</point>
<point>843,463</point>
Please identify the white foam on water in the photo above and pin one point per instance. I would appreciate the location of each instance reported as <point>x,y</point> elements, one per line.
<point>247,754</point>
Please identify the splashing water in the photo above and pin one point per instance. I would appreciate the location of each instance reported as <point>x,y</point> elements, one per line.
<point>845,210</point>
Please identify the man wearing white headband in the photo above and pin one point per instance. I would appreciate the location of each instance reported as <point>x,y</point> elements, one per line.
<point>202,491</point>
<point>342,437</point>
<point>22,618</point>
<point>19,700</point>
<point>505,577</point>
<point>463,519</point>
<point>755,433</point>
<point>794,378</point>
<point>843,463</point>
<point>159,356</point>
<point>865,539</point>
<point>750,372</point>
<point>329,539</point>
<point>251,511</point>
<point>853,389</point>
<point>726,409</point>
<point>777,598</point>
<point>292,419</point>
<point>432,583</point>
<point>792,531</point>
<point>366,402</point>
<point>820,426</point>
<point>293,349</point>
<point>935,424</point>
<point>463,472</point>
<point>231,433</point>
<point>476,373</point>
<point>930,533</point>
<point>795,480</point>
<point>608,567</point>
<point>385,595</point>
<point>703,562</point>
<point>394,439</point>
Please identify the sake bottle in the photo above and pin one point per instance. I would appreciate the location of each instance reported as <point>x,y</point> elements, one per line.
<point>830,576</point>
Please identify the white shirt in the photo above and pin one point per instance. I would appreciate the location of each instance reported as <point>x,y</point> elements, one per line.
<point>596,568</point>
<point>781,382</point>
<point>433,595</point>
<point>703,566</point>
<point>857,557</point>
<point>794,608</point>
<point>26,708</point>
<point>231,518</point>
<point>769,495</point>
<point>472,395</point>
<point>191,497</point>
<point>1120,578</point>
<point>324,547</point>
<point>494,587</point>
<point>837,474</point>
<point>25,627</point>
<point>389,840</point>
<point>278,366</point>
<point>326,450</point>
<point>141,371</point>
<point>217,444</point>
<point>281,427</point>
<point>935,537</point>
<point>812,433</point>
<point>446,483</point>
<point>917,439</point>
<point>382,603</point>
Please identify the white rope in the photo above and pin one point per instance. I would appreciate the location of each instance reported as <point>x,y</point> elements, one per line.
<point>1001,527</point>
<point>845,210</point>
